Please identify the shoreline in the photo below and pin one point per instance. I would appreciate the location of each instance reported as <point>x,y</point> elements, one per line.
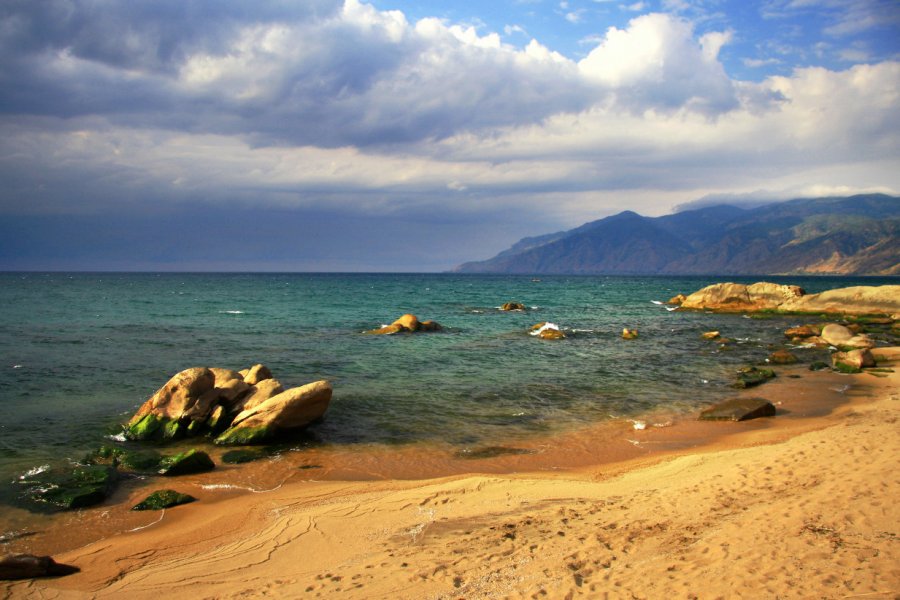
<point>465,533</point>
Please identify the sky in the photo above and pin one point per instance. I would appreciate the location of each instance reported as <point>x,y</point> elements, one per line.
<point>402,135</point>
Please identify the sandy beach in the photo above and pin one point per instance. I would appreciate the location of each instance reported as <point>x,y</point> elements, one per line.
<point>800,506</point>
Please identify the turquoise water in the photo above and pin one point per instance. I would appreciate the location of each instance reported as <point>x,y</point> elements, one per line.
<point>80,352</point>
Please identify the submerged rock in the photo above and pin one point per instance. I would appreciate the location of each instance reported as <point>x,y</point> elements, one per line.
<point>85,485</point>
<point>407,323</point>
<point>511,306</point>
<point>751,376</point>
<point>291,410</point>
<point>29,566</point>
<point>141,461</point>
<point>802,332</point>
<point>491,452</point>
<point>738,409</point>
<point>186,463</point>
<point>161,499</point>
<point>629,334</point>
<point>236,457</point>
<point>782,357</point>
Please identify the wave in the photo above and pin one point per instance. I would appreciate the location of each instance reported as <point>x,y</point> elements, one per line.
<point>231,312</point>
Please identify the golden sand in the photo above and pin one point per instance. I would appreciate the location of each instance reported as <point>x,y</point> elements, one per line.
<point>801,506</point>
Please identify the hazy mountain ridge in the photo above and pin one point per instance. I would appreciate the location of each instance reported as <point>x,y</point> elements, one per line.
<point>855,235</point>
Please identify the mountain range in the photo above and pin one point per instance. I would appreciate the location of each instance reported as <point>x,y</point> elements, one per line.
<point>855,235</point>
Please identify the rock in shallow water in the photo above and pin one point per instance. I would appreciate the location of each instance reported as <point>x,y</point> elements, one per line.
<point>751,376</point>
<point>739,409</point>
<point>186,463</point>
<point>161,499</point>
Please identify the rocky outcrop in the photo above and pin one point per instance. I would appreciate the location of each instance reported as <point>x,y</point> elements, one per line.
<point>202,401</point>
<point>737,297</point>
<point>29,566</point>
<point>407,323</point>
<point>739,409</point>
<point>547,331</point>
<point>291,410</point>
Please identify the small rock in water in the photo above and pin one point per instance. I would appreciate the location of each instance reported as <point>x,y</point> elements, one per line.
<point>738,409</point>
<point>490,452</point>
<point>629,334</point>
<point>751,376</point>
<point>508,306</point>
<point>710,335</point>
<point>161,499</point>
<point>782,357</point>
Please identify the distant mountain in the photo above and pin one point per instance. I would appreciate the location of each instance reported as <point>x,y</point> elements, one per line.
<point>856,235</point>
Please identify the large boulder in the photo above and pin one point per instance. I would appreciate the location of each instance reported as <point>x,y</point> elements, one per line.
<point>738,409</point>
<point>856,300</point>
<point>291,410</point>
<point>29,566</point>
<point>737,297</point>
<point>160,415</point>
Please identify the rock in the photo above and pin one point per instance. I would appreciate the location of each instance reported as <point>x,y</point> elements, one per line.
<point>29,566</point>
<point>85,485</point>
<point>802,332</point>
<point>387,330</point>
<point>547,331</point>
<point>408,322</point>
<point>782,357</point>
<point>430,326</point>
<point>629,334</point>
<point>818,366</point>
<point>857,300</point>
<point>710,335</point>
<point>186,463</point>
<point>854,359</point>
<point>737,297</point>
<point>751,376</point>
<point>225,375</point>
<point>159,416</point>
<point>236,457</point>
<point>678,299</point>
<point>141,461</point>
<point>264,390</point>
<point>257,373</point>
<point>290,410</point>
<point>161,499</point>
<point>738,409</point>
<point>513,306</point>
<point>840,336</point>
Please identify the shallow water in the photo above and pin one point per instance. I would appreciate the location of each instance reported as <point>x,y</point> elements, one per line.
<point>80,352</point>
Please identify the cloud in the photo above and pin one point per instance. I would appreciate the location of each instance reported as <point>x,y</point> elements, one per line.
<point>657,63</point>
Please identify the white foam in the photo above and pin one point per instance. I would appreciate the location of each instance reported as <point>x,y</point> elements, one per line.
<point>17,366</point>
<point>229,486</point>
<point>232,312</point>
<point>638,425</point>
<point>545,327</point>
<point>657,302</point>
<point>118,437</point>
<point>35,471</point>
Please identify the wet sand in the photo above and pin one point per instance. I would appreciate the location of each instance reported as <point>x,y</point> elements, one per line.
<point>799,506</point>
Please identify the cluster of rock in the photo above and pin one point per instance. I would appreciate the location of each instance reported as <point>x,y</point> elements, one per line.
<point>237,407</point>
<point>407,323</point>
<point>763,296</point>
<point>512,306</point>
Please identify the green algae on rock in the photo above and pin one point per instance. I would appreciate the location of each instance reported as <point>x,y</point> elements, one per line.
<point>186,463</point>
<point>85,485</point>
<point>751,376</point>
<point>161,499</point>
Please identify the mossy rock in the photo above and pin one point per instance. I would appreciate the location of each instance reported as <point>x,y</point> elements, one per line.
<point>751,376</point>
<point>130,460</point>
<point>782,357</point>
<point>846,369</point>
<point>144,429</point>
<point>235,457</point>
<point>739,409</point>
<point>86,485</point>
<point>161,499</point>
<point>245,436</point>
<point>819,366</point>
<point>186,463</point>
